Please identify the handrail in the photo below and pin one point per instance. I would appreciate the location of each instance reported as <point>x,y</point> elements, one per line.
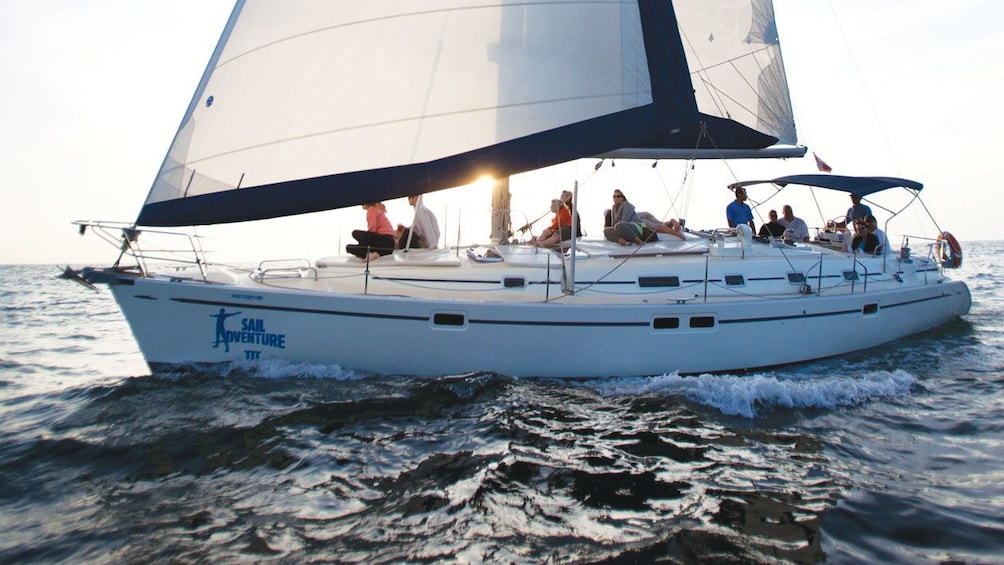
<point>128,242</point>
<point>260,272</point>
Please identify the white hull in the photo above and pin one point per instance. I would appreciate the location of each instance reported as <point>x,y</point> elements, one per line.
<point>684,310</point>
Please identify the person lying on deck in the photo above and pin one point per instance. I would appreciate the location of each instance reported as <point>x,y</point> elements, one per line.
<point>671,226</point>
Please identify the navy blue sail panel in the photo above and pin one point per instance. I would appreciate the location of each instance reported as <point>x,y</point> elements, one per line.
<point>708,132</point>
<point>672,107</point>
<point>348,189</point>
<point>713,133</point>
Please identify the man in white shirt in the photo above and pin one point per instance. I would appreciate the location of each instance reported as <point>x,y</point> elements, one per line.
<point>872,224</point>
<point>424,231</point>
<point>800,231</point>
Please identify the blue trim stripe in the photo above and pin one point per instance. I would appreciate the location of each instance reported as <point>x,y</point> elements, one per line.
<point>474,321</point>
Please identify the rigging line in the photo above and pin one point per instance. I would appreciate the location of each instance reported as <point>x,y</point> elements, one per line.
<point>775,118</point>
<point>731,62</point>
<point>819,209</point>
<point>735,178</point>
<point>679,191</point>
<point>737,103</point>
<point>871,102</point>
<point>705,82</point>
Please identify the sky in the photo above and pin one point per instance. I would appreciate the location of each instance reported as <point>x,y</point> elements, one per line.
<point>93,91</point>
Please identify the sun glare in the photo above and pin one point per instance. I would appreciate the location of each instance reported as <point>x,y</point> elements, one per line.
<point>483,182</point>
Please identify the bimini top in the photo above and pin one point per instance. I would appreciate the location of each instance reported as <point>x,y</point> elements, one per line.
<point>861,186</point>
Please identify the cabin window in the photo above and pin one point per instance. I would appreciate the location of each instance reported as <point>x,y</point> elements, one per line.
<point>514,282</point>
<point>702,322</point>
<point>796,278</point>
<point>449,319</point>
<point>870,309</point>
<point>656,282</point>
<point>735,280</point>
<point>666,323</point>
<point>851,276</point>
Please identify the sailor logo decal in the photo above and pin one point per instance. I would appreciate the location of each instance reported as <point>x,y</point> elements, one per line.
<point>252,332</point>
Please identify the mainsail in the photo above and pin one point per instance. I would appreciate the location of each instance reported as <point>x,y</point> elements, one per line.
<point>308,106</point>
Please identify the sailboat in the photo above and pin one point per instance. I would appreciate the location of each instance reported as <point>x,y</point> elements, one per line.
<point>314,106</point>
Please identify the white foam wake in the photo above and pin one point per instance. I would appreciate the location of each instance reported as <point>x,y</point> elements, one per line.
<point>743,396</point>
<point>281,369</point>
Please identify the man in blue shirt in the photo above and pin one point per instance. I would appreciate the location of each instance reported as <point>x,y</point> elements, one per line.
<point>738,212</point>
<point>856,212</point>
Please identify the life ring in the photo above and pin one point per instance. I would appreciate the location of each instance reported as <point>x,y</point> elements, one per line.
<point>951,251</point>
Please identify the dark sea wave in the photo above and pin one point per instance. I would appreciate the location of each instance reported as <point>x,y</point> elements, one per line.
<point>894,454</point>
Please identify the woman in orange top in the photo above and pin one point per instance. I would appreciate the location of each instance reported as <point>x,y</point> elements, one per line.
<point>560,228</point>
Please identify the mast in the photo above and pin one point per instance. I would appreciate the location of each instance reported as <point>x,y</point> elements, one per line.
<point>501,214</point>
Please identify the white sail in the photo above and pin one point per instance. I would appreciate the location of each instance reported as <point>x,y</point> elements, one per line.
<point>304,107</point>
<point>299,90</point>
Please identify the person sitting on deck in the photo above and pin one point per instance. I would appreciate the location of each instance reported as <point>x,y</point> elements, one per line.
<point>799,231</point>
<point>560,228</point>
<point>622,224</point>
<point>883,241</point>
<point>378,237</point>
<point>424,231</point>
<point>864,240</point>
<point>772,228</point>
<point>566,197</point>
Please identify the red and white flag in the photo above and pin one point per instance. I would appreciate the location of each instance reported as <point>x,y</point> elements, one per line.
<point>821,164</point>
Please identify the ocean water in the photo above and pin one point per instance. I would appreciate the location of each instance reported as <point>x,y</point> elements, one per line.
<point>890,455</point>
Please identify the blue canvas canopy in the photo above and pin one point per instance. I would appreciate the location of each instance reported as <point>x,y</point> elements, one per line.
<point>861,186</point>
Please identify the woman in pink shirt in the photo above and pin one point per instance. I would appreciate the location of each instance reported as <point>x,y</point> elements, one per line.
<point>378,238</point>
